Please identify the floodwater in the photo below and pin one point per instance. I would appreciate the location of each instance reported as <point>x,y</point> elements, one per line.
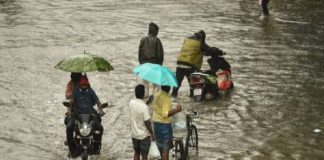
<point>277,66</point>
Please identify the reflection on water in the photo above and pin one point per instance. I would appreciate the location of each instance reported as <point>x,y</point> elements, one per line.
<point>277,70</point>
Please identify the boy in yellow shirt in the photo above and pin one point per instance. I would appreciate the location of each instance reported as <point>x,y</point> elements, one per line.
<point>162,111</point>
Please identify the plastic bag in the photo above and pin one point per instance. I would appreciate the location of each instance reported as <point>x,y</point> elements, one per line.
<point>179,125</point>
<point>154,152</point>
<point>224,79</point>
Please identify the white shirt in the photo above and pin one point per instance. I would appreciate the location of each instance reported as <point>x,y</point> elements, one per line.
<point>139,113</point>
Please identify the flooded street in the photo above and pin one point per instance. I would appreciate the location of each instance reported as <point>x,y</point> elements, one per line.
<point>277,67</point>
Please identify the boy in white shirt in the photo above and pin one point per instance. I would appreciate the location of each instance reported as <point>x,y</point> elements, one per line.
<point>141,127</point>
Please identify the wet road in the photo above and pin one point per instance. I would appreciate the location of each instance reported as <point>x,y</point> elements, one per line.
<point>277,63</point>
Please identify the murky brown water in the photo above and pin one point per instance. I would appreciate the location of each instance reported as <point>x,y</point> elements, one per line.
<point>277,63</point>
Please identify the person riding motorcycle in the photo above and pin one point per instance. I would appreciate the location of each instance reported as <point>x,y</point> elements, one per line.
<point>220,68</point>
<point>83,100</point>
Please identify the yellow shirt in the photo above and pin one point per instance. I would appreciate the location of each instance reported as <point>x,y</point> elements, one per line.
<point>161,107</point>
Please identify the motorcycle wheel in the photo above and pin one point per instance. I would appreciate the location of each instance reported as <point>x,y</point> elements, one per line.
<point>85,155</point>
<point>198,98</point>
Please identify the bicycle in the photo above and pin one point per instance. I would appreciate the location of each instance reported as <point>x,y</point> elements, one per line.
<point>181,151</point>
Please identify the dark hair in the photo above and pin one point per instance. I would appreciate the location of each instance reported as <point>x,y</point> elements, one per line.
<point>166,88</point>
<point>139,91</point>
<point>75,76</point>
<point>200,35</point>
<point>153,29</point>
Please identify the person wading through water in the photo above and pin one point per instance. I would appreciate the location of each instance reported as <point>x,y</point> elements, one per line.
<point>151,51</point>
<point>190,58</point>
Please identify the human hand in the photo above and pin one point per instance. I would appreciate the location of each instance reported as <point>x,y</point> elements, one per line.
<point>179,108</point>
<point>101,112</point>
<point>152,137</point>
<point>68,113</point>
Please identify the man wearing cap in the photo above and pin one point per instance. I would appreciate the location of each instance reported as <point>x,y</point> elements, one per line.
<point>83,100</point>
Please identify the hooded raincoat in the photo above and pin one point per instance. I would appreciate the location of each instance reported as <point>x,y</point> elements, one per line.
<point>150,48</point>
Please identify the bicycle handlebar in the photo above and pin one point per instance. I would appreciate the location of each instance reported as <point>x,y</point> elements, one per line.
<point>193,114</point>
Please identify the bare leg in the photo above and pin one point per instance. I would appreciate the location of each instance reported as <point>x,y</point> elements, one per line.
<point>144,155</point>
<point>265,7</point>
<point>165,154</point>
<point>137,156</point>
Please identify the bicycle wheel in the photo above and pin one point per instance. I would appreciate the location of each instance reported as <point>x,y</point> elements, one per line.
<point>186,150</point>
<point>179,150</point>
<point>193,137</point>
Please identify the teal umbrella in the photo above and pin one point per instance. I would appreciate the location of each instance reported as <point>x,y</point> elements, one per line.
<point>156,74</point>
<point>84,63</point>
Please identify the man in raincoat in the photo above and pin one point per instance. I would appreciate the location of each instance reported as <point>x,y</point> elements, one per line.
<point>151,51</point>
<point>190,58</point>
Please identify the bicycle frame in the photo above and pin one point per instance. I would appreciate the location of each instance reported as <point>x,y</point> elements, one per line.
<point>181,151</point>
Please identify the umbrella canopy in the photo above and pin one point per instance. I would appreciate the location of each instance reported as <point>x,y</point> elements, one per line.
<point>156,74</point>
<point>84,63</point>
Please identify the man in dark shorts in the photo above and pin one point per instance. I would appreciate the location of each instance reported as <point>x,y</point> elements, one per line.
<point>141,126</point>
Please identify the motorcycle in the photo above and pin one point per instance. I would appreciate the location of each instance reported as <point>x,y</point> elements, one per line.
<point>202,85</point>
<point>207,85</point>
<point>84,132</point>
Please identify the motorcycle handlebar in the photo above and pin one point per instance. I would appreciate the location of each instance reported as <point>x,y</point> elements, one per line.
<point>76,114</point>
<point>68,104</point>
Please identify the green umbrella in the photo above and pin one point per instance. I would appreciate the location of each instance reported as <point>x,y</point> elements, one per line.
<point>84,63</point>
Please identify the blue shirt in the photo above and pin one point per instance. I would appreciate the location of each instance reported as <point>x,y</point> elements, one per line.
<point>84,100</point>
